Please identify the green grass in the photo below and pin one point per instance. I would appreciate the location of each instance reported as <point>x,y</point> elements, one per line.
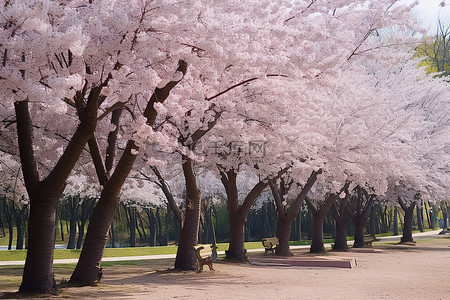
<point>136,251</point>
<point>12,255</point>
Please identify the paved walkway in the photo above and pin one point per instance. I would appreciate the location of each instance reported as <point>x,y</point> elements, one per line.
<point>417,236</point>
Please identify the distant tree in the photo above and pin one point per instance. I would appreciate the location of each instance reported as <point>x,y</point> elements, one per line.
<point>436,50</point>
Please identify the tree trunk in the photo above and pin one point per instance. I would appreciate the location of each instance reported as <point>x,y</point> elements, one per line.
<point>2,207</point>
<point>283,232</point>
<point>131,220</point>
<point>372,221</point>
<point>80,234</point>
<point>236,249</point>
<point>185,259</point>
<point>341,216</point>
<point>419,218</point>
<point>8,217</point>
<point>359,208</point>
<point>72,203</point>
<point>44,195</point>
<point>38,271</point>
<point>160,241</point>
<point>407,223</point>
<point>359,232</point>
<point>396,220</point>
<point>61,227</point>
<point>445,216</point>
<point>286,216</point>
<point>340,241</point>
<point>152,226</point>
<point>19,222</point>
<point>112,235</point>
<point>317,234</point>
<point>238,213</point>
<point>88,270</point>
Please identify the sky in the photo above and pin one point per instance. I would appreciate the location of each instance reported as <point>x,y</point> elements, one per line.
<point>429,11</point>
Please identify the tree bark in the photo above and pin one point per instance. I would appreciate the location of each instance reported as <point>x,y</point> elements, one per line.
<point>44,195</point>
<point>19,214</point>
<point>286,216</point>
<point>317,245</point>
<point>88,270</point>
<point>340,215</point>
<point>283,232</point>
<point>359,211</point>
<point>7,213</point>
<point>236,249</point>
<point>360,223</point>
<point>340,241</point>
<point>419,211</point>
<point>408,221</point>
<point>185,259</point>
<point>238,213</point>
<point>73,203</point>
<point>319,214</point>
<point>395,220</point>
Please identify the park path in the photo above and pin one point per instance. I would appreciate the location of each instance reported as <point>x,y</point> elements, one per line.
<point>417,236</point>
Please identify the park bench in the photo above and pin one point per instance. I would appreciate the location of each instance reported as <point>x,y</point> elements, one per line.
<point>270,244</point>
<point>368,240</point>
<point>208,255</point>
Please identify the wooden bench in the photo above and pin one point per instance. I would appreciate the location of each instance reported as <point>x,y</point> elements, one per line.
<point>368,240</point>
<point>270,244</point>
<point>208,255</point>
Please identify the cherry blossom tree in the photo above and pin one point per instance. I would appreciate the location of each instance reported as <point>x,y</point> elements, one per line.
<point>43,43</point>
<point>254,69</point>
<point>423,134</point>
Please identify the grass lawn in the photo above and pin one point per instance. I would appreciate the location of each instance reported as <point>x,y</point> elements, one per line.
<point>12,255</point>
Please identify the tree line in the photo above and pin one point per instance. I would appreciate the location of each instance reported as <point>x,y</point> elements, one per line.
<point>136,225</point>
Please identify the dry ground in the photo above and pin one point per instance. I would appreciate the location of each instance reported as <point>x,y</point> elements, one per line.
<point>387,272</point>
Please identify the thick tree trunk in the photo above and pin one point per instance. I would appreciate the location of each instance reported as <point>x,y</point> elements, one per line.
<point>317,234</point>
<point>286,216</point>
<point>359,208</point>
<point>318,215</point>
<point>341,217</point>
<point>340,241</point>
<point>284,226</point>
<point>88,270</point>
<point>44,195</point>
<point>359,232</point>
<point>236,249</point>
<point>238,213</point>
<point>185,259</point>
<point>407,223</point>
<point>38,271</point>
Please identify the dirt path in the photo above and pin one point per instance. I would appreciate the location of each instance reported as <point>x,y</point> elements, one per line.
<point>388,272</point>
